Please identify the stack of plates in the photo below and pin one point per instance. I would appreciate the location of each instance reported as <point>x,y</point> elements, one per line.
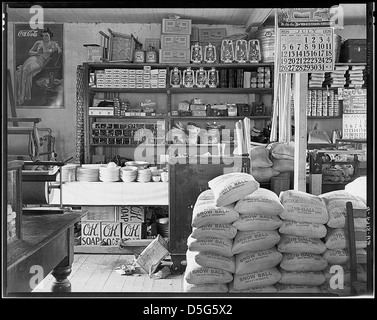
<point>87,174</point>
<point>128,173</point>
<point>109,174</point>
<point>144,175</point>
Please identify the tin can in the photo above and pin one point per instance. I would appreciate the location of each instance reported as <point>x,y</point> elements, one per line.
<point>139,56</point>
<point>151,56</point>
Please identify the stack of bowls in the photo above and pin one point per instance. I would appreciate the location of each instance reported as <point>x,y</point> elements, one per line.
<point>128,173</point>
<point>138,164</point>
<point>144,175</point>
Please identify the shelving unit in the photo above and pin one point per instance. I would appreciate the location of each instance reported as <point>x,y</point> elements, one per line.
<point>168,100</point>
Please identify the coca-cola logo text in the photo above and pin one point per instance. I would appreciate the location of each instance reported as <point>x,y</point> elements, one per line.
<point>28,33</point>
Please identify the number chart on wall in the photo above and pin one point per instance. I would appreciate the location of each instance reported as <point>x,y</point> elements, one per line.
<point>306,49</point>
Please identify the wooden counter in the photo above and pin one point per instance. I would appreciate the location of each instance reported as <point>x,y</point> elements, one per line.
<point>47,245</point>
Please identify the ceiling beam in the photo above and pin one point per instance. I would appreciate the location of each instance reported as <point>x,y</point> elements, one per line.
<point>257,17</point>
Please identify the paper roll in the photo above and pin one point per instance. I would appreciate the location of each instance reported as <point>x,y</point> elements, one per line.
<point>34,192</point>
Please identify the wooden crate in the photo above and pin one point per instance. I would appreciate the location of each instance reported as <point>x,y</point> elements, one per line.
<point>130,214</point>
<point>90,233</point>
<point>110,233</point>
<point>152,255</point>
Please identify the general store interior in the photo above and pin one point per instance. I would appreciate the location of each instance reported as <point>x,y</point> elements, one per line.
<point>155,211</point>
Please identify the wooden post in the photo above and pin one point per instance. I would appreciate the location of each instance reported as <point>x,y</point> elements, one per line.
<point>300,93</point>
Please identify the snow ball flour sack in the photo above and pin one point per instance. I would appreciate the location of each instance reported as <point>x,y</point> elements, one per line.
<point>263,174</point>
<point>336,205</point>
<point>254,240</point>
<point>212,260</point>
<point>207,212</point>
<point>261,201</point>
<point>297,288</point>
<point>205,287</point>
<point>231,187</point>
<point>295,244</point>
<point>303,262</point>
<point>251,261</point>
<point>227,231</point>
<point>309,278</point>
<point>251,222</point>
<point>303,207</point>
<point>195,274</point>
<point>260,157</point>
<point>265,289</point>
<point>303,229</point>
<point>262,278</point>
<point>211,244</point>
<point>338,239</point>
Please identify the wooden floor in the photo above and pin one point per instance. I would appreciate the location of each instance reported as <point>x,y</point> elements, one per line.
<point>97,273</point>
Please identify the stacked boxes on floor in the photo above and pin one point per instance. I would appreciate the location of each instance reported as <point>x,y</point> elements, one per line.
<point>337,242</point>
<point>175,41</point>
<point>304,218</point>
<point>108,225</point>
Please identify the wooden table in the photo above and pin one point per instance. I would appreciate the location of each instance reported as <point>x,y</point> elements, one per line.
<point>47,245</point>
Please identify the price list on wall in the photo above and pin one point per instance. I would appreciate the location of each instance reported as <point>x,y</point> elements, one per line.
<point>306,49</point>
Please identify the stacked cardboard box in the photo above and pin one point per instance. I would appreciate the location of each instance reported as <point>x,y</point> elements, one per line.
<point>131,78</point>
<point>175,41</point>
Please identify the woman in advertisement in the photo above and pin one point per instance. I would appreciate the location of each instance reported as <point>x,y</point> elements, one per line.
<point>39,56</point>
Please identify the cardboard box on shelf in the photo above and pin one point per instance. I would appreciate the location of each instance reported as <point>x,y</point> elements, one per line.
<point>176,26</point>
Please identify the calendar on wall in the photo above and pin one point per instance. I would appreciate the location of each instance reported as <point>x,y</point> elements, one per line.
<point>354,126</point>
<point>306,50</point>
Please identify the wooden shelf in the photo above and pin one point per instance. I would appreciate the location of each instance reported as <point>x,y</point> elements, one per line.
<point>128,90</point>
<point>127,146</point>
<point>221,90</point>
<point>116,65</point>
<point>128,117</point>
<point>325,118</point>
<point>220,118</point>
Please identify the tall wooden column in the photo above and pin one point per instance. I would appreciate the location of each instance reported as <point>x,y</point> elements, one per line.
<point>300,96</point>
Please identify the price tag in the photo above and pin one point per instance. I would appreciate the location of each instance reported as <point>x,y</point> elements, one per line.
<point>306,50</point>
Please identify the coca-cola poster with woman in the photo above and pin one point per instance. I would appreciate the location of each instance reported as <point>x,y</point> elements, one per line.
<point>39,66</point>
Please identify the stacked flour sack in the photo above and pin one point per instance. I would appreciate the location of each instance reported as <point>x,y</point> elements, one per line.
<point>254,246</point>
<point>337,242</point>
<point>210,260</point>
<point>303,228</point>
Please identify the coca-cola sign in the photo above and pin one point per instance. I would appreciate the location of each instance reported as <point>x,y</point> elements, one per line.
<point>28,33</point>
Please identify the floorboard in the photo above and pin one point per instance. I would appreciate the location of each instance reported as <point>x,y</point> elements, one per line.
<point>97,273</point>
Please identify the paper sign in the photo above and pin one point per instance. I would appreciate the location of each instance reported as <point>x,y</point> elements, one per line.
<point>90,233</point>
<point>306,50</point>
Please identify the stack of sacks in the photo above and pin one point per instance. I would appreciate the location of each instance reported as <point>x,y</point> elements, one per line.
<point>261,164</point>
<point>316,79</point>
<point>355,77</point>
<point>336,78</point>
<point>254,246</point>
<point>336,240</point>
<point>210,261</point>
<point>282,155</point>
<point>304,218</point>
